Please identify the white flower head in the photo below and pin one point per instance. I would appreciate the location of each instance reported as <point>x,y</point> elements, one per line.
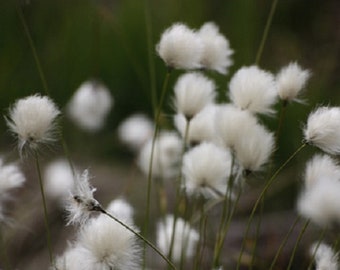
<point>321,202</point>
<point>110,245</point>
<point>323,129</point>
<point>180,47</point>
<point>90,105</point>
<point>81,203</point>
<point>33,121</point>
<point>74,258</point>
<point>206,169</point>
<point>135,131</point>
<point>201,126</point>
<point>290,81</point>
<point>319,167</point>
<point>325,257</point>
<point>185,238</point>
<point>122,210</point>
<point>193,91</point>
<point>166,156</point>
<point>58,178</point>
<point>11,177</point>
<point>253,89</point>
<point>216,49</point>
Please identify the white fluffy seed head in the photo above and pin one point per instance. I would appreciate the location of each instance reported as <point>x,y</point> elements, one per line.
<point>90,105</point>
<point>216,49</point>
<point>74,258</point>
<point>321,202</point>
<point>325,257</point>
<point>11,177</point>
<point>193,91</point>
<point>290,81</point>
<point>201,127</point>
<point>135,131</point>
<point>110,244</point>
<point>166,156</point>
<point>33,121</point>
<point>58,179</point>
<point>185,238</point>
<point>253,89</point>
<point>206,169</point>
<point>319,167</point>
<point>323,129</point>
<point>180,47</point>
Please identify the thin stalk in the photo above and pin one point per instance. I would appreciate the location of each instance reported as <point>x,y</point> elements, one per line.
<point>265,32</point>
<point>297,243</point>
<point>4,256</point>
<point>146,241</point>
<point>283,110</point>
<point>321,237</point>
<point>263,192</point>
<point>284,242</point>
<point>33,49</point>
<point>201,241</point>
<point>47,228</point>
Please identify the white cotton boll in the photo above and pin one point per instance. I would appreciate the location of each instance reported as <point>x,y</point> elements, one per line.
<point>216,49</point>
<point>324,256</point>
<point>253,148</point>
<point>206,169</point>
<point>135,131</point>
<point>90,105</point>
<point>201,127</point>
<point>122,210</point>
<point>185,238</point>
<point>323,129</point>
<point>11,177</point>
<point>290,81</point>
<point>319,167</point>
<point>253,89</point>
<point>321,202</point>
<point>58,179</point>
<point>74,258</point>
<point>166,156</point>
<point>180,47</point>
<point>193,91</point>
<point>110,244</point>
<point>32,120</point>
<point>232,124</point>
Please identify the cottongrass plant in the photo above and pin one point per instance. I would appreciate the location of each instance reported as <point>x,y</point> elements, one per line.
<point>325,257</point>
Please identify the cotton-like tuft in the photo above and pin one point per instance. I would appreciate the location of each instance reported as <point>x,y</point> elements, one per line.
<point>253,89</point>
<point>33,121</point>
<point>90,105</point>
<point>193,91</point>
<point>323,129</point>
<point>58,179</point>
<point>122,210</point>
<point>201,127</point>
<point>81,202</point>
<point>180,47</point>
<point>110,244</point>
<point>290,81</point>
<point>11,177</point>
<point>74,258</point>
<point>185,238</point>
<point>216,49</point>
<point>166,156</point>
<point>325,257</point>
<point>206,169</point>
<point>135,131</point>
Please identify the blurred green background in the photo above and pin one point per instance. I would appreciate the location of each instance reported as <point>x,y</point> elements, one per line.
<point>108,40</point>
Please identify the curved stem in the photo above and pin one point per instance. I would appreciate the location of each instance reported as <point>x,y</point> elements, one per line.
<point>265,32</point>
<point>146,241</point>
<point>297,243</point>
<point>263,192</point>
<point>48,234</point>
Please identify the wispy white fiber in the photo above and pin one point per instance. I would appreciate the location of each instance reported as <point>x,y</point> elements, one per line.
<point>325,257</point>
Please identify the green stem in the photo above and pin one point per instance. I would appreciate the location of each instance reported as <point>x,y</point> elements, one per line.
<point>265,32</point>
<point>297,243</point>
<point>283,110</point>
<point>146,241</point>
<point>284,242</point>
<point>48,234</point>
<point>263,192</point>
<point>33,49</point>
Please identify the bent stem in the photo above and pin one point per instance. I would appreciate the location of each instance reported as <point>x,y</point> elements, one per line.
<point>297,243</point>
<point>47,228</point>
<point>146,241</point>
<point>263,192</point>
